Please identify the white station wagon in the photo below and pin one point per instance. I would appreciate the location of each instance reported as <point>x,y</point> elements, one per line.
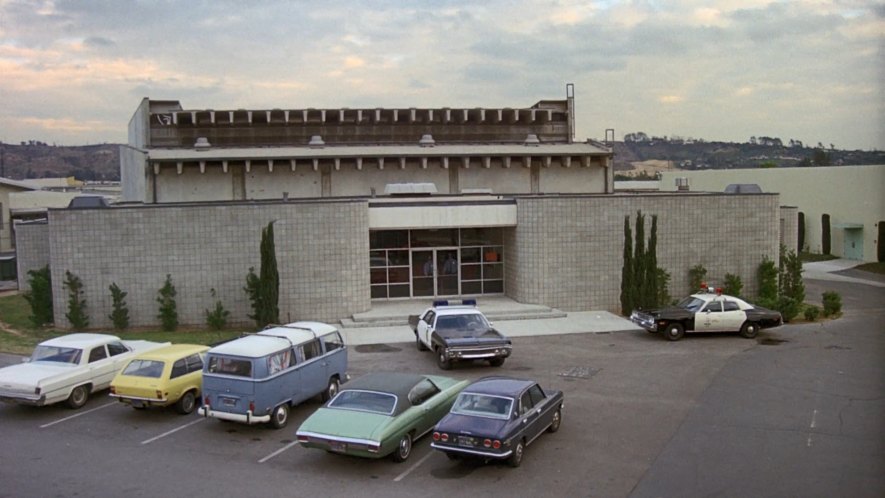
<point>68,368</point>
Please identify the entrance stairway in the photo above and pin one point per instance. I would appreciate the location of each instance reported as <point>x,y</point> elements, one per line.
<point>495,308</point>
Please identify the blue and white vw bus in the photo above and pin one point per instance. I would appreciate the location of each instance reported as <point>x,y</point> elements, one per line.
<point>258,378</point>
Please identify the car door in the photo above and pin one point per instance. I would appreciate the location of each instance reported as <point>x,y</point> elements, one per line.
<point>102,368</point>
<point>177,379</point>
<point>427,396</point>
<point>709,317</point>
<point>542,406</point>
<point>732,316</point>
<point>425,326</point>
<point>530,417</point>
<point>313,378</point>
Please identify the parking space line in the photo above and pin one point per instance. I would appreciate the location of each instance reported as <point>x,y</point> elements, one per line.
<point>78,414</point>
<point>275,453</point>
<point>413,467</point>
<point>173,431</point>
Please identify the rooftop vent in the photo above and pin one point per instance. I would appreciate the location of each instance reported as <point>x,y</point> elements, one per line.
<point>682,183</point>
<point>427,141</point>
<point>316,141</point>
<point>202,143</point>
<point>532,140</point>
<point>743,188</point>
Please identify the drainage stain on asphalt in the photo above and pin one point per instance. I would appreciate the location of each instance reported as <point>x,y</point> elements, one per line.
<point>771,342</point>
<point>580,372</point>
<point>833,346</point>
<point>376,348</point>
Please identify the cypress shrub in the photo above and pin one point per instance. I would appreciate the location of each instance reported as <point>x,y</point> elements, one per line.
<point>120,311</point>
<point>627,270</point>
<point>168,309</point>
<point>40,296</point>
<point>77,314</point>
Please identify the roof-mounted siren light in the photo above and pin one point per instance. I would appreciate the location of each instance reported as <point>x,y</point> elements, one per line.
<point>718,291</point>
<point>704,286</point>
<point>440,302</point>
<point>570,99</point>
<point>468,302</point>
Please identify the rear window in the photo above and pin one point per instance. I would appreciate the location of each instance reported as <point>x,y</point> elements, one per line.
<point>56,354</point>
<point>483,405</point>
<point>144,368</point>
<point>366,401</point>
<point>230,366</point>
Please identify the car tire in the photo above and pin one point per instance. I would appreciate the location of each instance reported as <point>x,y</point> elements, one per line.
<point>496,362</point>
<point>419,344</point>
<point>403,448</point>
<point>515,459</point>
<point>78,397</point>
<point>279,417</point>
<point>442,359</point>
<point>331,389</point>
<point>749,330</point>
<point>557,420</point>
<point>674,331</point>
<point>186,403</point>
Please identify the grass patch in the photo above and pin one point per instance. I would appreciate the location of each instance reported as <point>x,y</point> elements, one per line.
<point>872,267</point>
<point>14,312</point>
<point>808,257</point>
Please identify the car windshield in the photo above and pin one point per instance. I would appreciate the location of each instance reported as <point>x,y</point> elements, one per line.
<point>462,324</point>
<point>367,401</point>
<point>144,368</point>
<point>691,303</point>
<point>56,354</point>
<point>483,405</point>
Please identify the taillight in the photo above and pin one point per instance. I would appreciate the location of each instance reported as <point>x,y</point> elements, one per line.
<point>113,390</point>
<point>436,436</point>
<point>159,394</point>
<point>252,406</point>
<point>444,437</point>
<point>37,391</point>
<point>487,443</point>
<point>303,439</point>
<point>496,444</point>
<point>206,401</point>
<point>373,448</point>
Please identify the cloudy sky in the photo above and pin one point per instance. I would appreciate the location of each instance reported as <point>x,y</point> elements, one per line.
<point>73,72</point>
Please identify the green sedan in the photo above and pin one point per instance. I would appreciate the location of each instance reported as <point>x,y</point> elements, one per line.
<point>380,414</point>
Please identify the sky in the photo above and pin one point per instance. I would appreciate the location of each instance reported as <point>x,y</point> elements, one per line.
<point>73,72</point>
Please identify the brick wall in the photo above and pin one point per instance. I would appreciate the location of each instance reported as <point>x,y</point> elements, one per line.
<point>31,250</point>
<point>321,249</point>
<point>566,251</point>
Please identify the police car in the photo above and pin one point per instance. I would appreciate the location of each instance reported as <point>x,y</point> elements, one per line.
<point>707,311</point>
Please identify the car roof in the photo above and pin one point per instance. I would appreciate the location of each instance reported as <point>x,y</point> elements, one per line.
<point>80,340</point>
<point>173,352</point>
<point>396,383</point>
<point>500,386</point>
<point>709,296</point>
<point>273,339</point>
<point>456,310</point>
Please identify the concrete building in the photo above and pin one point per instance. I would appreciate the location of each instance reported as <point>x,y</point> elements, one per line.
<point>380,204</point>
<point>849,199</point>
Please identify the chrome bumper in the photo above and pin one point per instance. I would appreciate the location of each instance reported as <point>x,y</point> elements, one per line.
<point>247,418</point>
<point>645,321</point>
<point>480,453</point>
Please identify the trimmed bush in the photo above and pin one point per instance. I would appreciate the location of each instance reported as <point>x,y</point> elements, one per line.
<point>40,296</point>
<point>811,312</point>
<point>733,285</point>
<point>832,303</point>
<point>217,318</point>
<point>77,314</point>
<point>168,309</point>
<point>120,314</point>
<point>696,276</point>
<point>788,307</point>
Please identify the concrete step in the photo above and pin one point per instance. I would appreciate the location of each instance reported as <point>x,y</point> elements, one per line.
<point>363,321</point>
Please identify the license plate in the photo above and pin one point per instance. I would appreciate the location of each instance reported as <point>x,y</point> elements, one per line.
<point>229,402</point>
<point>137,403</point>
<point>337,446</point>
<point>466,441</point>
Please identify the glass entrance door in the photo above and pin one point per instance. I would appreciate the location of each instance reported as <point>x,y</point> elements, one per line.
<point>435,272</point>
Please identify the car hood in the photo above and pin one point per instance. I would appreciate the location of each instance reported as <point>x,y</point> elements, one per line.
<point>32,374</point>
<point>669,310</point>
<point>454,423</point>
<point>463,338</point>
<point>346,423</point>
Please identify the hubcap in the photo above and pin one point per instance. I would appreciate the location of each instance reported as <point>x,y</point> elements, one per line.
<point>281,415</point>
<point>405,446</point>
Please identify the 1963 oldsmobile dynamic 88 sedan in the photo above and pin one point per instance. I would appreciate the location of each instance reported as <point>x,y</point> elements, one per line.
<point>68,368</point>
<point>495,418</point>
<point>380,414</point>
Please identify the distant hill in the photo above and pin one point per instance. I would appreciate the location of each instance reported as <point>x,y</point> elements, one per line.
<point>102,162</point>
<point>39,160</point>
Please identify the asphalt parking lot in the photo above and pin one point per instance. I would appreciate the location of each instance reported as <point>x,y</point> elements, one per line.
<point>798,411</point>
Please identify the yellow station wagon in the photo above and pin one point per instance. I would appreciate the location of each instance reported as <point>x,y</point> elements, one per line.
<point>162,377</point>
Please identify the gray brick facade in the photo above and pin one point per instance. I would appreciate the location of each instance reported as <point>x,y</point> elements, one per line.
<point>32,250</point>
<point>566,251</point>
<point>321,248</point>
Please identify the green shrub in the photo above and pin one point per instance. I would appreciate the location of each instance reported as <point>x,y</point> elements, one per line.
<point>77,314</point>
<point>811,313</point>
<point>768,289</point>
<point>733,285</point>
<point>696,276</point>
<point>217,318</point>
<point>168,310</point>
<point>663,291</point>
<point>832,303</point>
<point>120,314</point>
<point>40,296</point>
<point>788,307</point>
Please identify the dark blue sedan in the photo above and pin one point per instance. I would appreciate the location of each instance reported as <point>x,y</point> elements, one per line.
<point>495,418</point>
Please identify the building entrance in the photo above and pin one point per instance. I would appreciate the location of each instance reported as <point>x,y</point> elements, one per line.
<point>435,272</point>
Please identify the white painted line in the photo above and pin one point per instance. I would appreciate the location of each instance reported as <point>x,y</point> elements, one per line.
<point>812,426</point>
<point>413,467</point>
<point>78,414</point>
<point>151,440</point>
<point>275,453</point>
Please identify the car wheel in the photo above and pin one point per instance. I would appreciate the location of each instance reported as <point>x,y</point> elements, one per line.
<point>78,397</point>
<point>674,331</point>
<point>557,420</point>
<point>280,416</point>
<point>403,449</point>
<point>331,389</point>
<point>749,330</point>
<point>496,362</point>
<point>442,358</point>
<point>186,403</point>
<point>515,459</point>
<point>419,344</point>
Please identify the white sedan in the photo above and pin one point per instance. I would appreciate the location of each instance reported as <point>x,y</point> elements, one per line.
<point>68,368</point>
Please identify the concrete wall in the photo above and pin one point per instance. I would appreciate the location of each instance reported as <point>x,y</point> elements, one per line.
<point>513,180</point>
<point>349,181</point>
<point>789,228</point>
<point>321,255</point>
<point>133,175</point>
<point>573,180</point>
<point>32,250</point>
<point>849,194</point>
<point>566,252</point>
<point>303,182</point>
